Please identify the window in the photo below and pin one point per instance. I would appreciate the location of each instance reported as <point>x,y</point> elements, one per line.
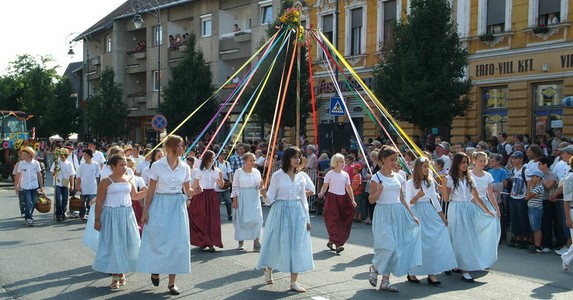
<point>548,94</point>
<point>206,26</point>
<point>328,26</point>
<point>108,43</point>
<point>547,109</point>
<point>495,16</point>
<point>158,37</point>
<point>156,80</point>
<point>549,12</point>
<point>266,14</point>
<point>494,103</point>
<point>389,21</point>
<point>356,32</point>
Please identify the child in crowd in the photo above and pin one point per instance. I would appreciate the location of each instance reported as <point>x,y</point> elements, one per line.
<point>358,194</point>
<point>534,199</point>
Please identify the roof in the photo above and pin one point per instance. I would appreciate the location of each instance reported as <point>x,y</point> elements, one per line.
<point>74,81</point>
<point>128,9</point>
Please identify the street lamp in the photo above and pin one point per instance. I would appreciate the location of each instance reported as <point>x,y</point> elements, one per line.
<point>87,66</point>
<point>137,23</point>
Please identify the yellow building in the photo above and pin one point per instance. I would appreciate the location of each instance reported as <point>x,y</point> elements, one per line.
<point>521,62</point>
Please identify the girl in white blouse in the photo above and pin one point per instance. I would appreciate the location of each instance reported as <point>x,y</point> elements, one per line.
<point>397,244</point>
<point>473,251</point>
<point>248,213</point>
<point>165,246</point>
<point>286,245</point>
<point>339,204</point>
<point>204,212</point>
<point>437,252</point>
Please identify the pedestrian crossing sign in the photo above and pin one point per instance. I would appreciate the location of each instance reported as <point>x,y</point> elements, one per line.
<point>336,106</point>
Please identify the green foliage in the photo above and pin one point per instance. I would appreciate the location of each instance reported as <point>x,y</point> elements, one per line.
<point>62,117</point>
<point>421,78</point>
<point>265,108</point>
<point>34,83</point>
<point>10,92</point>
<point>191,84</point>
<point>106,112</point>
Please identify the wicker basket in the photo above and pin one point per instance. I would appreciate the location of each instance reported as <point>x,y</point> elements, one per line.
<point>76,204</point>
<point>44,204</point>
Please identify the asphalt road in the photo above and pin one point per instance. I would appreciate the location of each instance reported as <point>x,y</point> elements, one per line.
<point>48,261</point>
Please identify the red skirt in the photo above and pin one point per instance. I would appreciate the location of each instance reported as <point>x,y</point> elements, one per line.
<point>338,216</point>
<point>205,220</point>
<point>138,211</point>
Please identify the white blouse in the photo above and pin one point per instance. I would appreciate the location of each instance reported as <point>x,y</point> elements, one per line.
<point>283,188</point>
<point>430,195</point>
<point>169,181</point>
<point>391,188</point>
<point>337,182</point>
<point>207,178</point>
<point>462,192</point>
<point>481,183</point>
<point>242,180</point>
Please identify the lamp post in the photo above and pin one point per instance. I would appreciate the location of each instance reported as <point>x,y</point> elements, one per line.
<point>137,23</point>
<point>87,65</point>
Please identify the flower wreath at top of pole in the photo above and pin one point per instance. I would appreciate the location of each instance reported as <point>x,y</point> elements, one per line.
<point>291,19</point>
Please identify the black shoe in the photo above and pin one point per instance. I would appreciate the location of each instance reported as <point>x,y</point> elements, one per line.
<point>155,281</point>
<point>449,273</point>
<point>434,283</point>
<point>230,218</point>
<point>173,290</point>
<point>471,280</point>
<point>410,279</point>
<point>63,217</point>
<point>59,219</point>
<point>339,249</point>
<point>456,270</point>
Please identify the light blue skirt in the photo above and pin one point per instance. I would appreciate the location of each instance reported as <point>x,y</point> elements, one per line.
<point>118,241</point>
<point>91,236</point>
<point>165,244</point>
<point>397,240</point>
<point>286,245</point>
<point>248,218</point>
<point>492,209</point>
<point>474,235</point>
<point>437,252</point>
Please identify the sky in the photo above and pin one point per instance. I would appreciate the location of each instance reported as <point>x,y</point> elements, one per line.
<point>42,27</point>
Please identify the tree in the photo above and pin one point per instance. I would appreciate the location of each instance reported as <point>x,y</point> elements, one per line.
<point>421,78</point>
<point>10,91</point>
<point>63,115</point>
<point>265,108</point>
<point>191,84</point>
<point>106,112</point>
<point>36,82</point>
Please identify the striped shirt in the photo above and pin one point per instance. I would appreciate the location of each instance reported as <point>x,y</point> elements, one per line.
<point>537,200</point>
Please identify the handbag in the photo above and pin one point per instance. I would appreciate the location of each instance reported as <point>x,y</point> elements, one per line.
<point>227,184</point>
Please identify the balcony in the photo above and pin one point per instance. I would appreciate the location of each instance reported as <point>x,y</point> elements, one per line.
<point>138,97</point>
<point>235,45</point>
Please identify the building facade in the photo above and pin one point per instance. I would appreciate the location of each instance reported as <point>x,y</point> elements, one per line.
<point>521,58</point>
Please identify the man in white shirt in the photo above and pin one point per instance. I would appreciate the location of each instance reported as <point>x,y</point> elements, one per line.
<point>136,157</point>
<point>442,150</point>
<point>87,180</point>
<point>97,157</point>
<point>28,179</point>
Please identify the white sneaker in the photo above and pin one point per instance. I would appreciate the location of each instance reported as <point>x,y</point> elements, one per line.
<point>546,250</point>
<point>561,251</point>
